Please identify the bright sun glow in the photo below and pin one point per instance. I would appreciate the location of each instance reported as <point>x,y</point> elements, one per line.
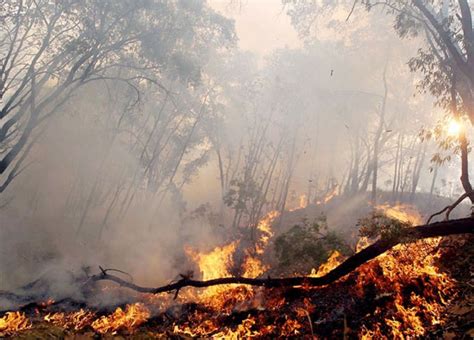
<point>454,127</point>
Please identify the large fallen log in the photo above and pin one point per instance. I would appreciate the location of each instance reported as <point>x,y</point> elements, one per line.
<point>412,234</point>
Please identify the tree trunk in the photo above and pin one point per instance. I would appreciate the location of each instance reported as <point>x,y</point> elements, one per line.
<point>375,160</point>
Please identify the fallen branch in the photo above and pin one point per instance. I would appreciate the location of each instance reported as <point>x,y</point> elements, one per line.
<point>445,228</point>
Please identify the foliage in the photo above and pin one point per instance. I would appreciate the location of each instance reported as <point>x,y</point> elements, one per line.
<point>306,246</point>
<point>445,25</point>
<point>52,49</point>
<point>448,144</point>
<point>243,195</point>
<point>378,225</point>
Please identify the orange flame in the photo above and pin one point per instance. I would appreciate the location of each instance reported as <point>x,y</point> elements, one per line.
<point>406,264</point>
<point>332,262</point>
<point>13,322</point>
<point>218,262</point>
<point>404,315</point>
<point>133,316</point>
<point>329,196</point>
<point>362,243</point>
<point>253,267</point>
<point>77,320</point>
<point>302,203</point>
<point>213,265</point>
<point>264,226</point>
<point>402,212</point>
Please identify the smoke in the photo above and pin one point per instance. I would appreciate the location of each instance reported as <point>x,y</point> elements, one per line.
<point>126,182</point>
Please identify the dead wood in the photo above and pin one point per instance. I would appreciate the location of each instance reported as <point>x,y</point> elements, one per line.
<point>448,209</point>
<point>445,228</point>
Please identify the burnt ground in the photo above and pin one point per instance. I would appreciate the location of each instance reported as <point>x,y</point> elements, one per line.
<point>363,300</point>
<point>342,309</point>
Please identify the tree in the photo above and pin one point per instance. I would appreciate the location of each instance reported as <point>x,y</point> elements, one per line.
<point>446,60</point>
<point>51,49</point>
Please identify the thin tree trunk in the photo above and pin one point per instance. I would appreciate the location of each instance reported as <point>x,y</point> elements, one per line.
<point>375,160</point>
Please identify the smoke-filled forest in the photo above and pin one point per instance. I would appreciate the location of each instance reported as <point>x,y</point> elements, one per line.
<point>236,169</point>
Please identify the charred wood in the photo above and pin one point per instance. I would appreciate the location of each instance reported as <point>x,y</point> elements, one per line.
<point>453,227</point>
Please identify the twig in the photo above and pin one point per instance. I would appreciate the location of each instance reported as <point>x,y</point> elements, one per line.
<point>310,323</point>
<point>450,208</point>
<point>352,10</point>
<point>104,271</point>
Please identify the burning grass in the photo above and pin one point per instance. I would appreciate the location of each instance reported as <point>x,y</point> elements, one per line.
<point>400,294</point>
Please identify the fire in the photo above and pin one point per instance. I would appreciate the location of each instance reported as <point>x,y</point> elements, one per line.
<point>213,265</point>
<point>405,292</point>
<point>253,267</point>
<point>408,265</point>
<point>401,212</point>
<point>264,226</point>
<point>204,328</point>
<point>216,263</point>
<point>332,262</point>
<point>244,330</point>
<point>329,196</point>
<point>291,328</point>
<point>219,262</point>
<point>77,320</point>
<point>13,322</point>
<point>128,320</point>
<point>302,203</point>
<point>362,243</point>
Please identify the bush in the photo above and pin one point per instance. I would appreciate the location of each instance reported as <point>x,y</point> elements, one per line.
<point>306,246</point>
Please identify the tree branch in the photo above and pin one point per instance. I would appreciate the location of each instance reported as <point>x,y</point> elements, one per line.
<point>445,37</point>
<point>461,226</point>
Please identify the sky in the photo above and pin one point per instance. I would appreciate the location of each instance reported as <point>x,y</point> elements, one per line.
<point>262,26</point>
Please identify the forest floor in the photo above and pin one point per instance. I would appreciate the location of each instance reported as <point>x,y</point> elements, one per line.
<point>424,289</point>
<point>344,308</point>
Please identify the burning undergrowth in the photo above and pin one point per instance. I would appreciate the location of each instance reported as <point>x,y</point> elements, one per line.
<point>402,293</point>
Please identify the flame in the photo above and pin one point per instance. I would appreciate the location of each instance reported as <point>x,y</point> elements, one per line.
<point>243,331</point>
<point>291,327</point>
<point>205,328</point>
<point>302,203</point>
<point>408,265</point>
<point>218,263</point>
<point>264,226</point>
<point>213,265</point>
<point>133,316</point>
<point>414,292</point>
<point>329,196</point>
<point>77,320</point>
<point>247,328</point>
<point>13,322</point>
<point>363,243</point>
<point>332,262</point>
<point>402,212</point>
<point>303,199</point>
<point>253,267</point>
<point>403,314</point>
